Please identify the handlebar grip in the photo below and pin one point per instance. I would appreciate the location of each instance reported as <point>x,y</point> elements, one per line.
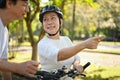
<point>86,65</point>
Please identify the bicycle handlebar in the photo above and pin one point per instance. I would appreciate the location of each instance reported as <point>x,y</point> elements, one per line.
<point>86,65</point>
<point>44,75</point>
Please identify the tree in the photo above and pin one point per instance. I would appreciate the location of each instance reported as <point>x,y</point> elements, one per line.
<point>34,9</point>
<point>111,15</point>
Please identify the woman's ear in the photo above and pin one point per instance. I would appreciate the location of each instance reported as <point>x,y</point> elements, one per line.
<point>61,22</point>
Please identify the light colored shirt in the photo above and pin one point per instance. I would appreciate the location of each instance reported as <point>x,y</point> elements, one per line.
<point>3,41</point>
<point>48,52</point>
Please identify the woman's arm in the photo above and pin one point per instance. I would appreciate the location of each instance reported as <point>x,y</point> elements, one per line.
<point>90,43</point>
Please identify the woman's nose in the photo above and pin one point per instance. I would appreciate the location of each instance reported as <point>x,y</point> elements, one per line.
<point>49,22</point>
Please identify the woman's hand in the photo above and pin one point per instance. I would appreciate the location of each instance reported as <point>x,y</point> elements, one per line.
<point>78,67</point>
<point>92,43</point>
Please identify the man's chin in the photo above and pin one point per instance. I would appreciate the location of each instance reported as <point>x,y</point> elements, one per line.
<point>21,18</point>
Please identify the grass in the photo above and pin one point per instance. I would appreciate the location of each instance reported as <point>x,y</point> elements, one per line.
<point>93,72</point>
<point>20,57</point>
<point>102,42</point>
<point>110,43</point>
<point>111,51</point>
<point>25,44</point>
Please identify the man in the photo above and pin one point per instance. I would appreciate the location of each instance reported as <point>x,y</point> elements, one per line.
<point>11,10</point>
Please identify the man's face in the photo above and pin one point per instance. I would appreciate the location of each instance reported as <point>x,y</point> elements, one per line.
<point>18,10</point>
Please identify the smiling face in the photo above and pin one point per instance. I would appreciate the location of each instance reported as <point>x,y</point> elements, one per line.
<point>18,10</point>
<point>51,22</point>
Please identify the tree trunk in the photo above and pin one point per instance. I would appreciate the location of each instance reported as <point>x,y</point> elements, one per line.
<point>29,18</point>
<point>34,52</point>
<point>73,21</point>
<point>33,43</point>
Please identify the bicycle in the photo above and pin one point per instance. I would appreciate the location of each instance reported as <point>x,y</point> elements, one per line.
<point>43,75</point>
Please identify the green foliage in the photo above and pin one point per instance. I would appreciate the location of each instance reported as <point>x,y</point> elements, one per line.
<point>13,26</point>
<point>91,18</point>
<point>91,3</point>
<point>102,73</point>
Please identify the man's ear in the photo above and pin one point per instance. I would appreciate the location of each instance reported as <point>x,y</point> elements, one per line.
<point>8,3</point>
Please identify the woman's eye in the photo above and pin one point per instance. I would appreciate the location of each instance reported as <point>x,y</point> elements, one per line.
<point>44,19</point>
<point>53,18</point>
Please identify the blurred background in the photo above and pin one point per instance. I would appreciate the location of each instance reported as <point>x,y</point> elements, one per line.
<point>82,19</point>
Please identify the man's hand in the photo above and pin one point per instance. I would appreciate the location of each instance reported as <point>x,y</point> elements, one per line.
<point>28,68</point>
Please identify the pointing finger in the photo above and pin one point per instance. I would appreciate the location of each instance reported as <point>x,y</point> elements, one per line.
<point>102,37</point>
<point>99,38</point>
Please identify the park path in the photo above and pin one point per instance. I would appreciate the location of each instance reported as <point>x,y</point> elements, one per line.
<point>100,59</point>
